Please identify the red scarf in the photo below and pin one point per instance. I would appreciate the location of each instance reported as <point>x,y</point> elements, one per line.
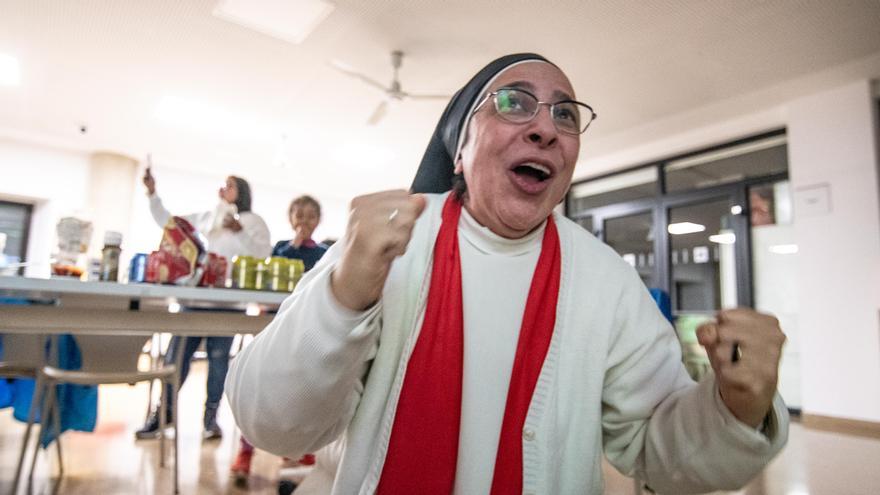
<point>423,448</point>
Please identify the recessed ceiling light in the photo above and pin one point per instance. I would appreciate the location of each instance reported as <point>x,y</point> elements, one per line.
<point>9,72</point>
<point>288,20</point>
<point>684,228</point>
<point>725,238</point>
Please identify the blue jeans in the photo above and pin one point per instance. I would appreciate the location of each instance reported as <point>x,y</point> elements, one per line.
<point>218,364</point>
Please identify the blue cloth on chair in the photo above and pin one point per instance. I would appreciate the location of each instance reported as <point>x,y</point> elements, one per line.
<point>663,302</point>
<point>78,403</point>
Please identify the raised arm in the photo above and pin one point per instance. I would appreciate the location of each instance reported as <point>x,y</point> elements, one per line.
<point>659,426</point>
<point>157,209</point>
<point>295,388</point>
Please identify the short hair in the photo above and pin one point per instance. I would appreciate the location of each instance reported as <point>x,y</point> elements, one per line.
<point>304,200</point>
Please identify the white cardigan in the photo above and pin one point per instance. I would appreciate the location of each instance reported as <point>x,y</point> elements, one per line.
<point>612,378</point>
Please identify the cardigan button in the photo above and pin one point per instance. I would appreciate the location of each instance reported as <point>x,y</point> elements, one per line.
<point>528,434</point>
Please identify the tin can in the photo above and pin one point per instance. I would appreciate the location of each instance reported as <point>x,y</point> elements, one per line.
<point>244,272</point>
<point>261,278</point>
<point>295,271</point>
<point>137,268</point>
<point>277,274</point>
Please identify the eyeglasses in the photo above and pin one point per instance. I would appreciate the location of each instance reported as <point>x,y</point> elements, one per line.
<point>518,106</point>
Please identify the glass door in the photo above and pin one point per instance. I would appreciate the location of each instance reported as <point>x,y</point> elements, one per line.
<point>632,237</point>
<point>630,230</point>
<point>706,245</point>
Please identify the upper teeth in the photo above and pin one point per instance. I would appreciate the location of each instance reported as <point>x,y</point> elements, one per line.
<point>537,166</point>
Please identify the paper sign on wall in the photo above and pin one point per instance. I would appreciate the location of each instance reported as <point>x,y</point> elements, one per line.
<point>701,254</point>
<point>812,201</point>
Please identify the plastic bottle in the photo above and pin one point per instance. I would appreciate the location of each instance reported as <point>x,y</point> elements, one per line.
<point>110,256</point>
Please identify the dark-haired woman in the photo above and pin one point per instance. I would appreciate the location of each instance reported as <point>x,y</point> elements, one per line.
<point>230,229</point>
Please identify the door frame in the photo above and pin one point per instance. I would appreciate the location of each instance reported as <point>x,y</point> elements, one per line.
<point>737,193</point>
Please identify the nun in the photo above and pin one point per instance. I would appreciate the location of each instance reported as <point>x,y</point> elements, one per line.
<point>465,338</point>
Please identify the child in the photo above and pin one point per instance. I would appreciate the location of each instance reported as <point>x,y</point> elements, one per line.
<point>304,214</point>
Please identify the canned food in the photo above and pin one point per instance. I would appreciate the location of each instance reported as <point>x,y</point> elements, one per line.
<point>261,278</point>
<point>244,272</point>
<point>137,269</point>
<point>296,268</point>
<point>277,274</point>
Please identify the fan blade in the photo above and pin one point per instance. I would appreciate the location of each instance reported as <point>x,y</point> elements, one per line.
<point>418,96</point>
<point>378,113</point>
<point>348,70</point>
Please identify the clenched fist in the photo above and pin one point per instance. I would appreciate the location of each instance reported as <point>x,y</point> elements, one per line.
<point>379,229</point>
<point>744,347</point>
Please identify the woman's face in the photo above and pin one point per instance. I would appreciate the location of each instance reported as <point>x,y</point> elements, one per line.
<point>304,219</point>
<point>503,194</point>
<point>229,192</point>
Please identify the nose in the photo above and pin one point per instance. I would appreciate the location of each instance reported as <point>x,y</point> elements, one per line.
<point>542,131</point>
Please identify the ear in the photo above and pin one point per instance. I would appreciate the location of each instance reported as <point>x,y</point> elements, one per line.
<point>459,168</point>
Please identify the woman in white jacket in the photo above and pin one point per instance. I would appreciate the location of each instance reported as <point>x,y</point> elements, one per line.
<point>475,341</point>
<point>230,229</point>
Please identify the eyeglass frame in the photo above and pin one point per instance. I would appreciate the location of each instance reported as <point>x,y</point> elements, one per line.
<point>494,94</point>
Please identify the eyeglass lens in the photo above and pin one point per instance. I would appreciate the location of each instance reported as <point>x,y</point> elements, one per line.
<point>520,107</point>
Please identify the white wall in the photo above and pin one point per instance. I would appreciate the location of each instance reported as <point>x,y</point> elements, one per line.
<point>54,181</point>
<point>832,140</point>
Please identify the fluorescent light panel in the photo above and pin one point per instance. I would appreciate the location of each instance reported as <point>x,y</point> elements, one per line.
<point>287,20</point>
<point>10,75</point>
<point>784,249</point>
<point>684,228</point>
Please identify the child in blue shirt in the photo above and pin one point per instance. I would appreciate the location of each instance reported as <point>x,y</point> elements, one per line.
<point>305,215</point>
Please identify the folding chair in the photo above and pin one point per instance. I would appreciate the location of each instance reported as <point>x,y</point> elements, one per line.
<point>23,356</point>
<point>106,359</point>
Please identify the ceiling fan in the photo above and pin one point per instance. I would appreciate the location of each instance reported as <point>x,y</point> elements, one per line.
<point>392,91</point>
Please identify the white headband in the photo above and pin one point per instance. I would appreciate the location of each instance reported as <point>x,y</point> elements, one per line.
<point>462,135</point>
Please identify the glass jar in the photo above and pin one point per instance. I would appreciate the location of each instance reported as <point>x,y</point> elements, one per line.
<point>110,256</point>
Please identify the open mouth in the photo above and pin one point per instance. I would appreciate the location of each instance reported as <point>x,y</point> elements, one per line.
<point>533,171</point>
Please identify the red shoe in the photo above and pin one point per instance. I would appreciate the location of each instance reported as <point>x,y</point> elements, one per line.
<point>241,468</point>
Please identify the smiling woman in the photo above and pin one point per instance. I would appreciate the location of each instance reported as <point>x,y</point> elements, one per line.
<point>459,342</point>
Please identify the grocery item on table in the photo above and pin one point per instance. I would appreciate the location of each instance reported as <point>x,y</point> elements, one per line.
<point>244,272</point>
<point>137,268</point>
<point>67,270</point>
<point>296,268</point>
<point>181,255</point>
<point>214,273</point>
<point>277,274</point>
<point>74,235</point>
<point>110,256</point>
<point>260,278</point>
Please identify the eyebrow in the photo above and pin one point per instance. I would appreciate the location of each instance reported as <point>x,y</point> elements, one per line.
<point>559,95</point>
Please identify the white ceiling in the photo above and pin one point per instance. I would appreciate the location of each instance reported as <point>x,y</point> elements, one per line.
<point>109,63</point>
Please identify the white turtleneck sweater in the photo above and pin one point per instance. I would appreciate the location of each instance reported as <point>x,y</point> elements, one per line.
<point>496,273</point>
<point>612,380</point>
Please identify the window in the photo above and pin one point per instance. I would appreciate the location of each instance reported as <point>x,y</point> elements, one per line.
<point>626,186</point>
<point>728,165</point>
<point>15,219</point>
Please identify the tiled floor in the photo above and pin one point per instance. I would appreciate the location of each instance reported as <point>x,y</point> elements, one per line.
<point>110,461</point>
